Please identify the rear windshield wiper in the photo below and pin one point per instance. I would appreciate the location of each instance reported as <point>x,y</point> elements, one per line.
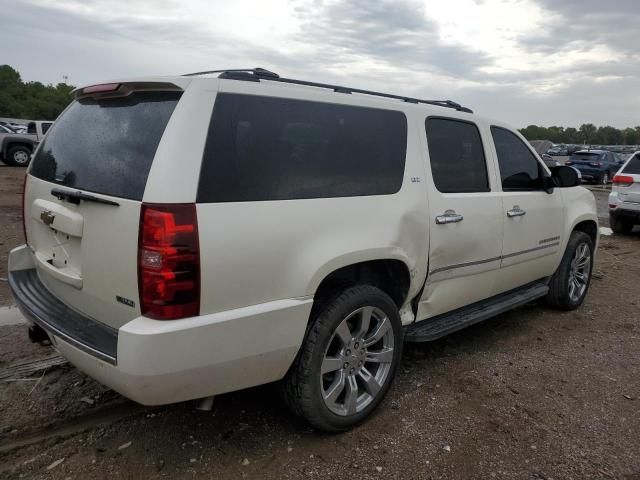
<point>75,197</point>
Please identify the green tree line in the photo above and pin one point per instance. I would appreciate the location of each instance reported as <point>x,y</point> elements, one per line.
<point>587,133</point>
<point>31,100</point>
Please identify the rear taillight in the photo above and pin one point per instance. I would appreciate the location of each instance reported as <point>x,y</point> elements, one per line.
<point>24,221</point>
<point>169,261</point>
<point>623,180</point>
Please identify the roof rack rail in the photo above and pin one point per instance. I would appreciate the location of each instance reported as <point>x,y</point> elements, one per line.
<point>256,71</point>
<point>257,74</point>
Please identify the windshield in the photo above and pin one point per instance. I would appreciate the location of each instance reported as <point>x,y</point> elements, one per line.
<point>106,146</point>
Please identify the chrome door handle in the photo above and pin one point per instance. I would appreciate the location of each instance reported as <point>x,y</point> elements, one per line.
<point>448,217</point>
<point>516,211</point>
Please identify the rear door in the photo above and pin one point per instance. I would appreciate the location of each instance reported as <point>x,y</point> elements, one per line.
<point>83,196</point>
<point>465,226</point>
<point>533,220</point>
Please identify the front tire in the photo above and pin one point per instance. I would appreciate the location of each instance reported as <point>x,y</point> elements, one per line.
<point>19,156</point>
<point>569,285</point>
<point>348,361</point>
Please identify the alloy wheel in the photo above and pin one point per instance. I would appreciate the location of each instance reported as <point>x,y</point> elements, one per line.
<point>579,272</point>
<point>357,361</point>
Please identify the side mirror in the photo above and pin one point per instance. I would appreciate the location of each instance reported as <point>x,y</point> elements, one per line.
<point>565,176</point>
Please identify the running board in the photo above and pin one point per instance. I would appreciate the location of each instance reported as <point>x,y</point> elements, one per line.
<point>437,327</point>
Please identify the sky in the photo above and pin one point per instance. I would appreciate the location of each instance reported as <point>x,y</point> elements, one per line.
<point>544,62</point>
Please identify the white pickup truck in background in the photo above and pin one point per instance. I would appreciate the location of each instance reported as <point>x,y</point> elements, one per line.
<point>16,148</point>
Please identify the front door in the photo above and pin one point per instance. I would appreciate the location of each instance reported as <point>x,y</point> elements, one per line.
<point>533,218</point>
<point>465,225</point>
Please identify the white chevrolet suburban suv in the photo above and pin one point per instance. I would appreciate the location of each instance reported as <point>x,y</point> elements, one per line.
<point>193,235</point>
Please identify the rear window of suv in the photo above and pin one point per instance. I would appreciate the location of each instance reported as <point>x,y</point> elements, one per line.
<point>633,167</point>
<point>266,148</point>
<point>106,146</point>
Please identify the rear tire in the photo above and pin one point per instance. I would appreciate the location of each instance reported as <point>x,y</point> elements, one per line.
<point>18,156</point>
<point>569,285</point>
<point>348,360</point>
<point>620,225</point>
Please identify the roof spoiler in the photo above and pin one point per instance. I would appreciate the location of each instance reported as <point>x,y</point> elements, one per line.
<point>122,89</point>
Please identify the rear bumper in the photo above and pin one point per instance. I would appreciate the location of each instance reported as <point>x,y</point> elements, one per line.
<point>45,310</point>
<point>619,208</point>
<point>626,213</point>
<point>159,362</point>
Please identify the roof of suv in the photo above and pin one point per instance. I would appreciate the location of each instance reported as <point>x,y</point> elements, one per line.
<point>259,74</point>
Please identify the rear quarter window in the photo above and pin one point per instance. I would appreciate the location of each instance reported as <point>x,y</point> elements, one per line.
<point>106,146</point>
<point>266,148</point>
<point>633,167</point>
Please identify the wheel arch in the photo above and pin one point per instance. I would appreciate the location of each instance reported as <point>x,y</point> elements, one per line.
<point>391,274</point>
<point>18,143</point>
<point>590,227</point>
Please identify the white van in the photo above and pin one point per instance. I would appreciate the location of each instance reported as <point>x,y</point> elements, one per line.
<point>193,235</point>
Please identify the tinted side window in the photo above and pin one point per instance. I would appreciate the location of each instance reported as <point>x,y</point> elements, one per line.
<point>457,156</point>
<point>519,168</point>
<point>45,127</point>
<point>633,167</point>
<point>265,148</point>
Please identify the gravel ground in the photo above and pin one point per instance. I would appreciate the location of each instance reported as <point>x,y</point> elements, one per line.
<point>531,394</point>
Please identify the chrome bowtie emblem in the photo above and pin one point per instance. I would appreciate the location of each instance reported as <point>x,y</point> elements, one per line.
<point>47,217</point>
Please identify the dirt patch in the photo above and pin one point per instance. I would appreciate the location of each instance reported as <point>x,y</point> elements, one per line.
<point>531,394</point>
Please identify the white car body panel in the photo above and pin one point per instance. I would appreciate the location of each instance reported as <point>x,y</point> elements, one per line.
<point>162,362</point>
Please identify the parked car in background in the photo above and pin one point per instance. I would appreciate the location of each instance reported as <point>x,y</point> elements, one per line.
<point>549,161</point>
<point>38,128</point>
<point>542,147</point>
<point>152,250</point>
<point>597,166</point>
<point>6,129</point>
<point>16,148</point>
<point>624,199</point>
<point>18,128</point>
<point>14,127</point>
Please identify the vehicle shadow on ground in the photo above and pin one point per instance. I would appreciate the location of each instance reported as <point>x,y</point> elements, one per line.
<point>234,411</point>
